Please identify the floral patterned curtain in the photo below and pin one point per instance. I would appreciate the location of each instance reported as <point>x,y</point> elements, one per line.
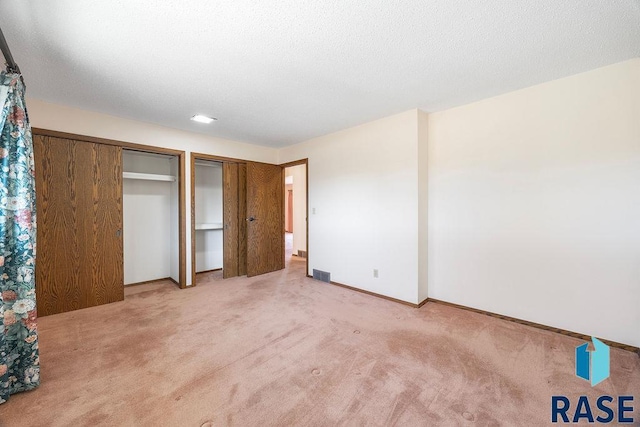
<point>19,363</point>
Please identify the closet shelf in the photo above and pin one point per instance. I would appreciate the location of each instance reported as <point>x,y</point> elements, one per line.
<point>209,226</point>
<point>148,176</point>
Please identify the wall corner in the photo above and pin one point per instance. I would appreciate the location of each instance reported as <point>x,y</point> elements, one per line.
<point>423,204</point>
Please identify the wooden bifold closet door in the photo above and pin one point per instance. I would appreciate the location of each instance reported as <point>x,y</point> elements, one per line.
<point>234,193</point>
<point>231,220</point>
<point>79,212</point>
<point>253,215</point>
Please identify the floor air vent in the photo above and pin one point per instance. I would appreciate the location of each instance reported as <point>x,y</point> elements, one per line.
<point>323,276</point>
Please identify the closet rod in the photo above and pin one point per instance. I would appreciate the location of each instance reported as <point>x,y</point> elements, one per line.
<point>208,163</point>
<point>12,67</point>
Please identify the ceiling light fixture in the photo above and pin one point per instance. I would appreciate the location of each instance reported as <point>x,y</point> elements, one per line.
<point>203,119</point>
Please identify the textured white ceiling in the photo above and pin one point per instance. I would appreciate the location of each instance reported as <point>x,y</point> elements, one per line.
<point>280,72</point>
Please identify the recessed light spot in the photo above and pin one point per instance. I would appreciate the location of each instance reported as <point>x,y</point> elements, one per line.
<point>203,119</point>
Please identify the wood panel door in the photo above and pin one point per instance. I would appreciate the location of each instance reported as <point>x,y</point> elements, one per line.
<point>265,213</point>
<point>79,209</point>
<point>230,220</point>
<point>242,216</point>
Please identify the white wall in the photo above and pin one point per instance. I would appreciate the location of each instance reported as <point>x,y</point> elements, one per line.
<point>299,187</point>
<point>534,203</point>
<point>67,119</point>
<point>423,205</point>
<point>209,250</point>
<point>363,185</point>
<point>149,247</point>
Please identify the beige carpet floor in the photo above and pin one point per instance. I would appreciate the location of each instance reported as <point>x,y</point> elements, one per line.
<point>282,349</point>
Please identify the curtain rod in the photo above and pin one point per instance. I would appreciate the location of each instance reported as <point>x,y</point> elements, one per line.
<point>11,64</point>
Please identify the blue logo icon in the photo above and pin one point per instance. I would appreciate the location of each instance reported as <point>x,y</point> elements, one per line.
<point>593,366</point>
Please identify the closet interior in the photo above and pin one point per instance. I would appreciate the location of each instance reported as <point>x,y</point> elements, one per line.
<point>150,217</point>
<point>208,216</point>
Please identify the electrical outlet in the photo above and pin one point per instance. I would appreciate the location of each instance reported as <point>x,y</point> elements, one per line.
<point>313,211</point>
<point>375,273</point>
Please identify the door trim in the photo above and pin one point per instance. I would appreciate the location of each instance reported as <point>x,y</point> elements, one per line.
<point>182,205</point>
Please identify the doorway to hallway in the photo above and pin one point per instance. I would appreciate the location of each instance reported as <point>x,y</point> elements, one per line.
<point>295,213</point>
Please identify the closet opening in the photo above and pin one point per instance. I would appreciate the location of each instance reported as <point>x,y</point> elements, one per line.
<point>151,217</point>
<point>251,202</point>
<point>111,214</point>
<point>208,219</point>
<point>218,218</point>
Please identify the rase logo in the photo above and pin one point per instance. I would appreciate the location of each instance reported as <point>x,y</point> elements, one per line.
<point>598,370</point>
<point>593,367</point>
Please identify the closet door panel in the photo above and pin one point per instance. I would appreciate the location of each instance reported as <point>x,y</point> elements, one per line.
<point>79,204</point>
<point>230,220</point>
<point>242,216</point>
<point>265,213</point>
<point>59,205</point>
<point>107,261</point>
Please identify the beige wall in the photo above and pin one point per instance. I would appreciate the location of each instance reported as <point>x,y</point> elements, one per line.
<point>287,188</point>
<point>363,186</point>
<point>66,119</point>
<point>534,203</point>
